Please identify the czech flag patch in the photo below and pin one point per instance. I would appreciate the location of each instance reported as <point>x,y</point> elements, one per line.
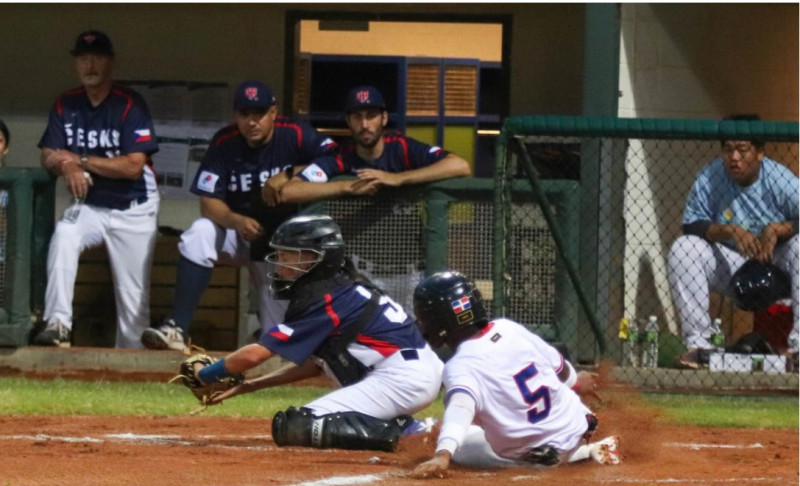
<point>281,332</point>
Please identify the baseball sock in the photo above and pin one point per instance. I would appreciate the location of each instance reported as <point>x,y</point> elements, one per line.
<point>191,282</point>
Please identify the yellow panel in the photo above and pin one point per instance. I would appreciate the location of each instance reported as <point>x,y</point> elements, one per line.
<point>423,133</point>
<point>460,139</point>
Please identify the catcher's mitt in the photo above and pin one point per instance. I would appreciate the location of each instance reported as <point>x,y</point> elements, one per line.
<point>204,392</point>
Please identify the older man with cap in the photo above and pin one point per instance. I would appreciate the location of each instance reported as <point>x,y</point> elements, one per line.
<point>99,139</point>
<point>235,225</point>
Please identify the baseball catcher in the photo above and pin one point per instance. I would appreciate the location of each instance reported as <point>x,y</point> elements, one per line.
<point>338,323</point>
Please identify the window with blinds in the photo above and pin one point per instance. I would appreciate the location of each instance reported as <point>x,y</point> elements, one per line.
<point>460,90</point>
<point>302,86</point>
<point>422,90</point>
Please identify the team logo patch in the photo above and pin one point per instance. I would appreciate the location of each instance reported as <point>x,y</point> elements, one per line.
<point>143,135</point>
<point>460,305</point>
<point>464,317</point>
<point>314,174</point>
<point>281,332</point>
<point>251,93</point>
<point>89,38</point>
<point>207,181</point>
<point>727,214</point>
<point>362,96</point>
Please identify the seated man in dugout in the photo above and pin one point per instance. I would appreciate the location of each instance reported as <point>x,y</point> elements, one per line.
<point>742,207</point>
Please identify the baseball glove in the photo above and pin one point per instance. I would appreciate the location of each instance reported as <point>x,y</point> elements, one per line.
<point>204,391</point>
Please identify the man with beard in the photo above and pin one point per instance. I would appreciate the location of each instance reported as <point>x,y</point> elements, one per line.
<point>377,157</point>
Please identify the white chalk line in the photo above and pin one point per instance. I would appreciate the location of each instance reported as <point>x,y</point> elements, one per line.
<point>151,439</point>
<point>344,480</point>
<point>697,447</point>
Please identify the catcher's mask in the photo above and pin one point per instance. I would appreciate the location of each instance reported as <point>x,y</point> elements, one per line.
<point>316,235</point>
<point>756,285</point>
<point>449,308</point>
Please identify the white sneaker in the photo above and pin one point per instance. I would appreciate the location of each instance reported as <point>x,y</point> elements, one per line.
<point>420,426</point>
<point>606,451</point>
<point>165,336</point>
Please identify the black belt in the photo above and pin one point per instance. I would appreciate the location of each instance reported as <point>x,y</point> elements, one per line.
<point>409,354</point>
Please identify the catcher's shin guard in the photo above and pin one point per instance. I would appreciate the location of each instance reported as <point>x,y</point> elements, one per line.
<point>343,430</point>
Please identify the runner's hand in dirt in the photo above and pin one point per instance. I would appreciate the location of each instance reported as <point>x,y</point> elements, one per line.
<point>435,467</point>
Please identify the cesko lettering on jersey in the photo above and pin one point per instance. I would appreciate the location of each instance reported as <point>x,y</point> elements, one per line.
<point>244,182</point>
<point>93,138</point>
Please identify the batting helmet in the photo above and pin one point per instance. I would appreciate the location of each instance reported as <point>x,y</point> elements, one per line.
<point>449,308</point>
<point>756,285</point>
<point>315,234</point>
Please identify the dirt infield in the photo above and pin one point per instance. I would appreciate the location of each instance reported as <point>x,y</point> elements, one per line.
<point>197,450</point>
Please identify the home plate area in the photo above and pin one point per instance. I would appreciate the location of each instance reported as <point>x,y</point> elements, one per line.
<point>91,450</point>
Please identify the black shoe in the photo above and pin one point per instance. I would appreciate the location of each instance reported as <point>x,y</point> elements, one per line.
<point>165,336</point>
<point>694,359</point>
<point>55,334</point>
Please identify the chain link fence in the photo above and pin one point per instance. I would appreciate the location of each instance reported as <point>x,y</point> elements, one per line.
<point>635,176</point>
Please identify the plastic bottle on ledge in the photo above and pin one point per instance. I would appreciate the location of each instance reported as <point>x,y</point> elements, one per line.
<point>629,334</point>
<point>718,337</point>
<point>650,352</point>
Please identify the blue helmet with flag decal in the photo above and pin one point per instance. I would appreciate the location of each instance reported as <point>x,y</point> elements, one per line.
<point>449,308</point>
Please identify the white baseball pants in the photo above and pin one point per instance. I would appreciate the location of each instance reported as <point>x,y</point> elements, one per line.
<point>206,244</point>
<point>697,267</point>
<point>130,237</point>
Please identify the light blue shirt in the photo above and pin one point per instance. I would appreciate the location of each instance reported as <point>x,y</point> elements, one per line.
<point>715,197</point>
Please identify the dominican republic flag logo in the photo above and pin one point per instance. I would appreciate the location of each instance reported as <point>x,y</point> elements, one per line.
<point>251,93</point>
<point>461,305</point>
<point>143,135</point>
<point>362,96</point>
<point>281,332</point>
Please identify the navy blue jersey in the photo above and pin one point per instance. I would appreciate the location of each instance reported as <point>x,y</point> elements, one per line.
<point>120,125</point>
<point>390,330</point>
<point>399,154</point>
<point>234,172</point>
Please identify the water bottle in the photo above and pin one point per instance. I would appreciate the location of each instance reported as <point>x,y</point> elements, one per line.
<point>650,353</point>
<point>718,337</point>
<point>629,334</point>
<point>72,212</point>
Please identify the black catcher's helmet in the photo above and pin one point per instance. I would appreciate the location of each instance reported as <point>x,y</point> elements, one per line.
<point>448,307</point>
<point>756,285</point>
<point>317,234</point>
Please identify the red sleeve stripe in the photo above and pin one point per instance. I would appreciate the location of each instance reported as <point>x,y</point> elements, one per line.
<point>59,107</point>
<point>340,162</point>
<point>404,144</point>
<point>294,127</point>
<point>129,99</point>
<point>331,313</point>
<point>232,132</point>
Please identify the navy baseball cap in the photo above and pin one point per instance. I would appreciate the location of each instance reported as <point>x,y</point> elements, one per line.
<point>364,97</point>
<point>253,94</point>
<point>93,42</point>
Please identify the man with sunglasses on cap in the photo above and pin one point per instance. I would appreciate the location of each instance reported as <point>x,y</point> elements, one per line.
<point>243,159</point>
<point>99,139</point>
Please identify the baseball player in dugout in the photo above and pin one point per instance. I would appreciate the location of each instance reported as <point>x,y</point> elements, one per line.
<point>339,324</point>
<point>511,399</point>
<point>99,139</point>
<point>376,157</point>
<point>254,153</point>
<point>743,207</point>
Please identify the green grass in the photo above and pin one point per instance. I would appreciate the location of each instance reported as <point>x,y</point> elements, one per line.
<point>727,410</point>
<point>20,396</point>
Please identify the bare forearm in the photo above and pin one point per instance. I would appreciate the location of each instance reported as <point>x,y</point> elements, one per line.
<point>721,232</point>
<point>285,375</point>
<point>300,191</point>
<point>246,358</point>
<point>447,168</point>
<point>128,166</point>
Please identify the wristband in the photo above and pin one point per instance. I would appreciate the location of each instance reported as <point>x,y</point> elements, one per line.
<point>84,162</point>
<point>289,172</point>
<point>213,372</point>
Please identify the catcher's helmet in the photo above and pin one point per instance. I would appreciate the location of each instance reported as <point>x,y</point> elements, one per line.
<point>756,285</point>
<point>317,234</point>
<point>449,307</point>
